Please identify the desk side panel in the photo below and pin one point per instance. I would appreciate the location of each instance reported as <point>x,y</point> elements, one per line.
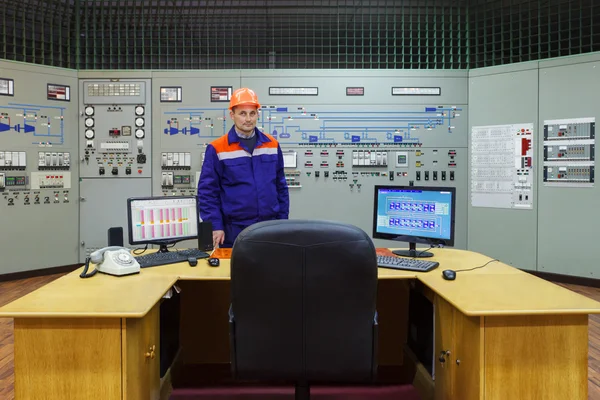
<point>141,356</point>
<point>68,359</point>
<point>536,357</point>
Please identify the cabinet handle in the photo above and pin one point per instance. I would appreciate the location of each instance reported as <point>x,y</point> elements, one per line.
<point>443,355</point>
<point>150,353</point>
<point>457,362</point>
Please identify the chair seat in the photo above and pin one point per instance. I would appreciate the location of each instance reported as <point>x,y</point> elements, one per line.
<point>384,392</point>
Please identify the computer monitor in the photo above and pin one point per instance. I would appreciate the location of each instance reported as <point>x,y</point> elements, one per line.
<point>162,221</point>
<point>414,214</point>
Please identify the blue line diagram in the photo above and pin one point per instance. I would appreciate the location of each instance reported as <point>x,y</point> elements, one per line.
<point>195,122</point>
<point>354,127</point>
<point>35,119</point>
<point>300,126</point>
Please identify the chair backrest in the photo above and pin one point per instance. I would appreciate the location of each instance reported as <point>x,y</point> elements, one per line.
<point>303,296</point>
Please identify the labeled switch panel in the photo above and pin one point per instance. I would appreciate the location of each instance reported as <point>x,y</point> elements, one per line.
<point>13,160</point>
<point>51,180</point>
<point>369,158</point>
<point>571,174</point>
<point>569,152</point>
<point>171,161</point>
<point>167,180</point>
<point>54,161</point>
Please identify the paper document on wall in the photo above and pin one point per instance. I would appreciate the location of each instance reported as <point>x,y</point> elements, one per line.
<point>502,166</point>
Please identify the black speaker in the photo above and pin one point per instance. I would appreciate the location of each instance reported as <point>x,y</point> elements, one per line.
<point>205,239</point>
<point>115,236</point>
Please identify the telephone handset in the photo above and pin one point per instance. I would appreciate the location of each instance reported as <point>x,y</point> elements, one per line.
<point>113,260</point>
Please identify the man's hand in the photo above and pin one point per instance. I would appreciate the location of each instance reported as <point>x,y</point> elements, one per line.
<point>218,238</point>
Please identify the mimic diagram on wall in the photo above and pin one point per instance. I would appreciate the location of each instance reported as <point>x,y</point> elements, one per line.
<point>44,123</point>
<point>302,126</point>
<point>569,146</point>
<point>502,166</point>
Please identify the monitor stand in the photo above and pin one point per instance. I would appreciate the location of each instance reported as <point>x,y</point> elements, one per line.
<point>163,249</point>
<point>412,252</point>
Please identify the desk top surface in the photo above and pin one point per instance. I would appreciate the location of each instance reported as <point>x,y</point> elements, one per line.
<point>496,289</point>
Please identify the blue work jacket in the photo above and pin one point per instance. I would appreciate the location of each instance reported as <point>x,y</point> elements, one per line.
<point>237,187</point>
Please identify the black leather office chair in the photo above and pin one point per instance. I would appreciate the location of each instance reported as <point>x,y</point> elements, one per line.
<point>303,297</point>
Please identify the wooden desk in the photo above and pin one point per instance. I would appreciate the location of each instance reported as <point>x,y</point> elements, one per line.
<point>504,333</point>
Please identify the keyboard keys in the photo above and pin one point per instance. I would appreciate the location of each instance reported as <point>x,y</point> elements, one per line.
<point>170,257</point>
<point>407,264</point>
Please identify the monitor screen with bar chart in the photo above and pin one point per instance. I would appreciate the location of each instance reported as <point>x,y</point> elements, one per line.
<point>162,220</point>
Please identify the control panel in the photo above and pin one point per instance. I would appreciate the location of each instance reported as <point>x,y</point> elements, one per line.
<point>376,166</point>
<point>49,185</point>
<point>569,152</point>
<point>176,173</point>
<point>115,126</point>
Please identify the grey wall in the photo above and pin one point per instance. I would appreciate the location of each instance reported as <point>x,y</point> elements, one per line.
<point>559,234</point>
<point>498,96</point>
<point>568,216</point>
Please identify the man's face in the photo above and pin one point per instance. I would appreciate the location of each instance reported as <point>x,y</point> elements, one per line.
<point>244,118</point>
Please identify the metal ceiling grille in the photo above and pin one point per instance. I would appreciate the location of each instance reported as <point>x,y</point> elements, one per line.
<point>222,34</point>
<point>275,34</point>
<point>39,32</point>
<point>510,31</point>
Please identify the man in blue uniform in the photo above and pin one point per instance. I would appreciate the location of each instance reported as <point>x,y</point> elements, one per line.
<point>242,180</point>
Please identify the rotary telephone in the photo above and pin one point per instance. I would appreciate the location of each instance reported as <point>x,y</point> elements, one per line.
<point>113,260</point>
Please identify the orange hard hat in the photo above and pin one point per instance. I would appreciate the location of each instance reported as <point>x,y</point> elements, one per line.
<point>244,96</point>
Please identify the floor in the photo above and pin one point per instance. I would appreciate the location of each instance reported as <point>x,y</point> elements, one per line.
<point>10,291</point>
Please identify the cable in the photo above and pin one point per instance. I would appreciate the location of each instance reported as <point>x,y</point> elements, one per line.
<point>84,273</point>
<point>481,266</point>
<point>423,251</point>
<point>431,246</point>
<point>137,252</point>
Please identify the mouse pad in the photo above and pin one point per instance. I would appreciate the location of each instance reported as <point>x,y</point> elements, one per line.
<point>222,253</point>
<point>382,251</point>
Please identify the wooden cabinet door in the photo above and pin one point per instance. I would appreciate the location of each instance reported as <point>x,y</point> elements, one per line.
<point>68,358</point>
<point>141,356</point>
<point>444,339</point>
<point>467,357</point>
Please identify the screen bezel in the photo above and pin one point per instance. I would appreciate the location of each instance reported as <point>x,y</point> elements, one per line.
<point>411,238</point>
<point>158,242</point>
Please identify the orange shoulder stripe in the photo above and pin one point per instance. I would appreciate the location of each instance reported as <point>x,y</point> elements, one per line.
<point>222,145</point>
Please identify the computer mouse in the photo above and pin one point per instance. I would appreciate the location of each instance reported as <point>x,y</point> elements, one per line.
<point>449,275</point>
<point>193,262</point>
<point>213,262</point>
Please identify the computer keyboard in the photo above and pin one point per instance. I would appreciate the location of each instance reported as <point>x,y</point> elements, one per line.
<point>408,264</point>
<point>170,257</point>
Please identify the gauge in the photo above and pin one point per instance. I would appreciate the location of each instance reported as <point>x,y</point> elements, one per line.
<point>89,133</point>
<point>89,111</point>
<point>89,122</point>
<point>139,133</point>
<point>139,121</point>
<point>139,110</point>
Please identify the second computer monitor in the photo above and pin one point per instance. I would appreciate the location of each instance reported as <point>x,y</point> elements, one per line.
<point>162,220</point>
<point>414,214</point>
